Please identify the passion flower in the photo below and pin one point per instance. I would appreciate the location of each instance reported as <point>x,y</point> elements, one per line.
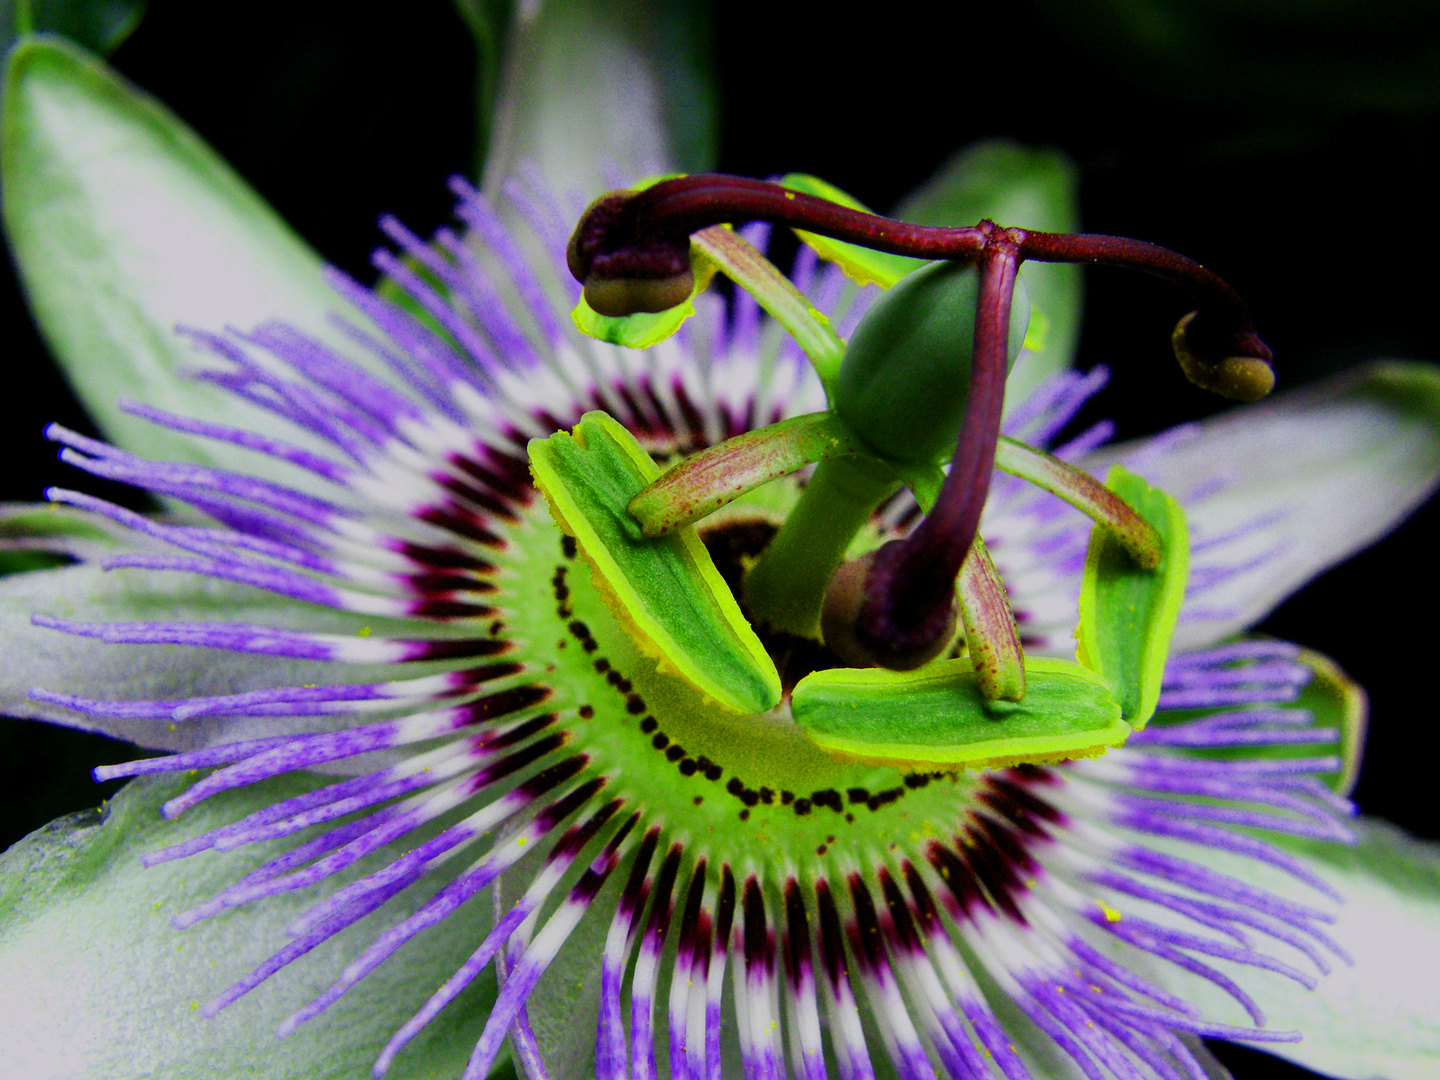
<point>686,881</point>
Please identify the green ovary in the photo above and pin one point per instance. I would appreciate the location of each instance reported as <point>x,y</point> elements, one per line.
<point>776,798</point>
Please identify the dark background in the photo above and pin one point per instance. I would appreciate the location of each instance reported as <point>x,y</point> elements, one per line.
<point>1290,150</point>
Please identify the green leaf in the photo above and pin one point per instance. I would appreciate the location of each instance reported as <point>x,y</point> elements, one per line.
<point>1328,469</point>
<point>1375,1020</point>
<point>861,264</point>
<point>665,590</point>
<point>124,223</point>
<point>87,667</point>
<point>97,25</point>
<point>1128,613</point>
<point>100,986</point>
<point>1028,187</point>
<point>938,717</point>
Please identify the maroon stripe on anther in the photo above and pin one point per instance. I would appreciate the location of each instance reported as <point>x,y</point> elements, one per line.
<point>661,908</point>
<point>693,419</point>
<point>467,681</point>
<point>1008,846</point>
<point>1021,805</point>
<point>995,874</point>
<point>505,702</point>
<point>925,909</point>
<point>725,910</point>
<point>690,917</point>
<point>598,872</point>
<point>483,499</point>
<point>577,836</point>
<point>497,470</point>
<point>518,760</point>
<point>447,583</point>
<point>553,776</point>
<point>447,609</point>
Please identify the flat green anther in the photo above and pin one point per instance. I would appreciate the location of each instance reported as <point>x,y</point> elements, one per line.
<point>1127,612</point>
<point>665,591</point>
<point>939,718</point>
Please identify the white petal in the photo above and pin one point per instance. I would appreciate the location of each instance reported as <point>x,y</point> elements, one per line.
<point>1328,469</point>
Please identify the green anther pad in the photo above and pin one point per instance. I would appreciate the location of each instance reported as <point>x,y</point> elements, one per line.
<point>937,717</point>
<point>665,591</point>
<point>1128,613</point>
<point>862,265</point>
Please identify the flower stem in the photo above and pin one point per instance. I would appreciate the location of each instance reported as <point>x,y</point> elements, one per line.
<point>786,586</point>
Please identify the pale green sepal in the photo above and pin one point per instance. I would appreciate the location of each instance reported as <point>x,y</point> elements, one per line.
<point>1128,613</point>
<point>862,265</point>
<point>99,986</point>
<point>98,25</point>
<point>123,223</point>
<point>938,717</point>
<point>743,264</point>
<point>592,90</point>
<point>87,667</point>
<point>1327,469</point>
<point>1332,701</point>
<point>991,636</point>
<point>665,591</point>
<point>54,528</point>
<point>1336,700</point>
<point>1375,1019</point>
<point>923,478</point>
